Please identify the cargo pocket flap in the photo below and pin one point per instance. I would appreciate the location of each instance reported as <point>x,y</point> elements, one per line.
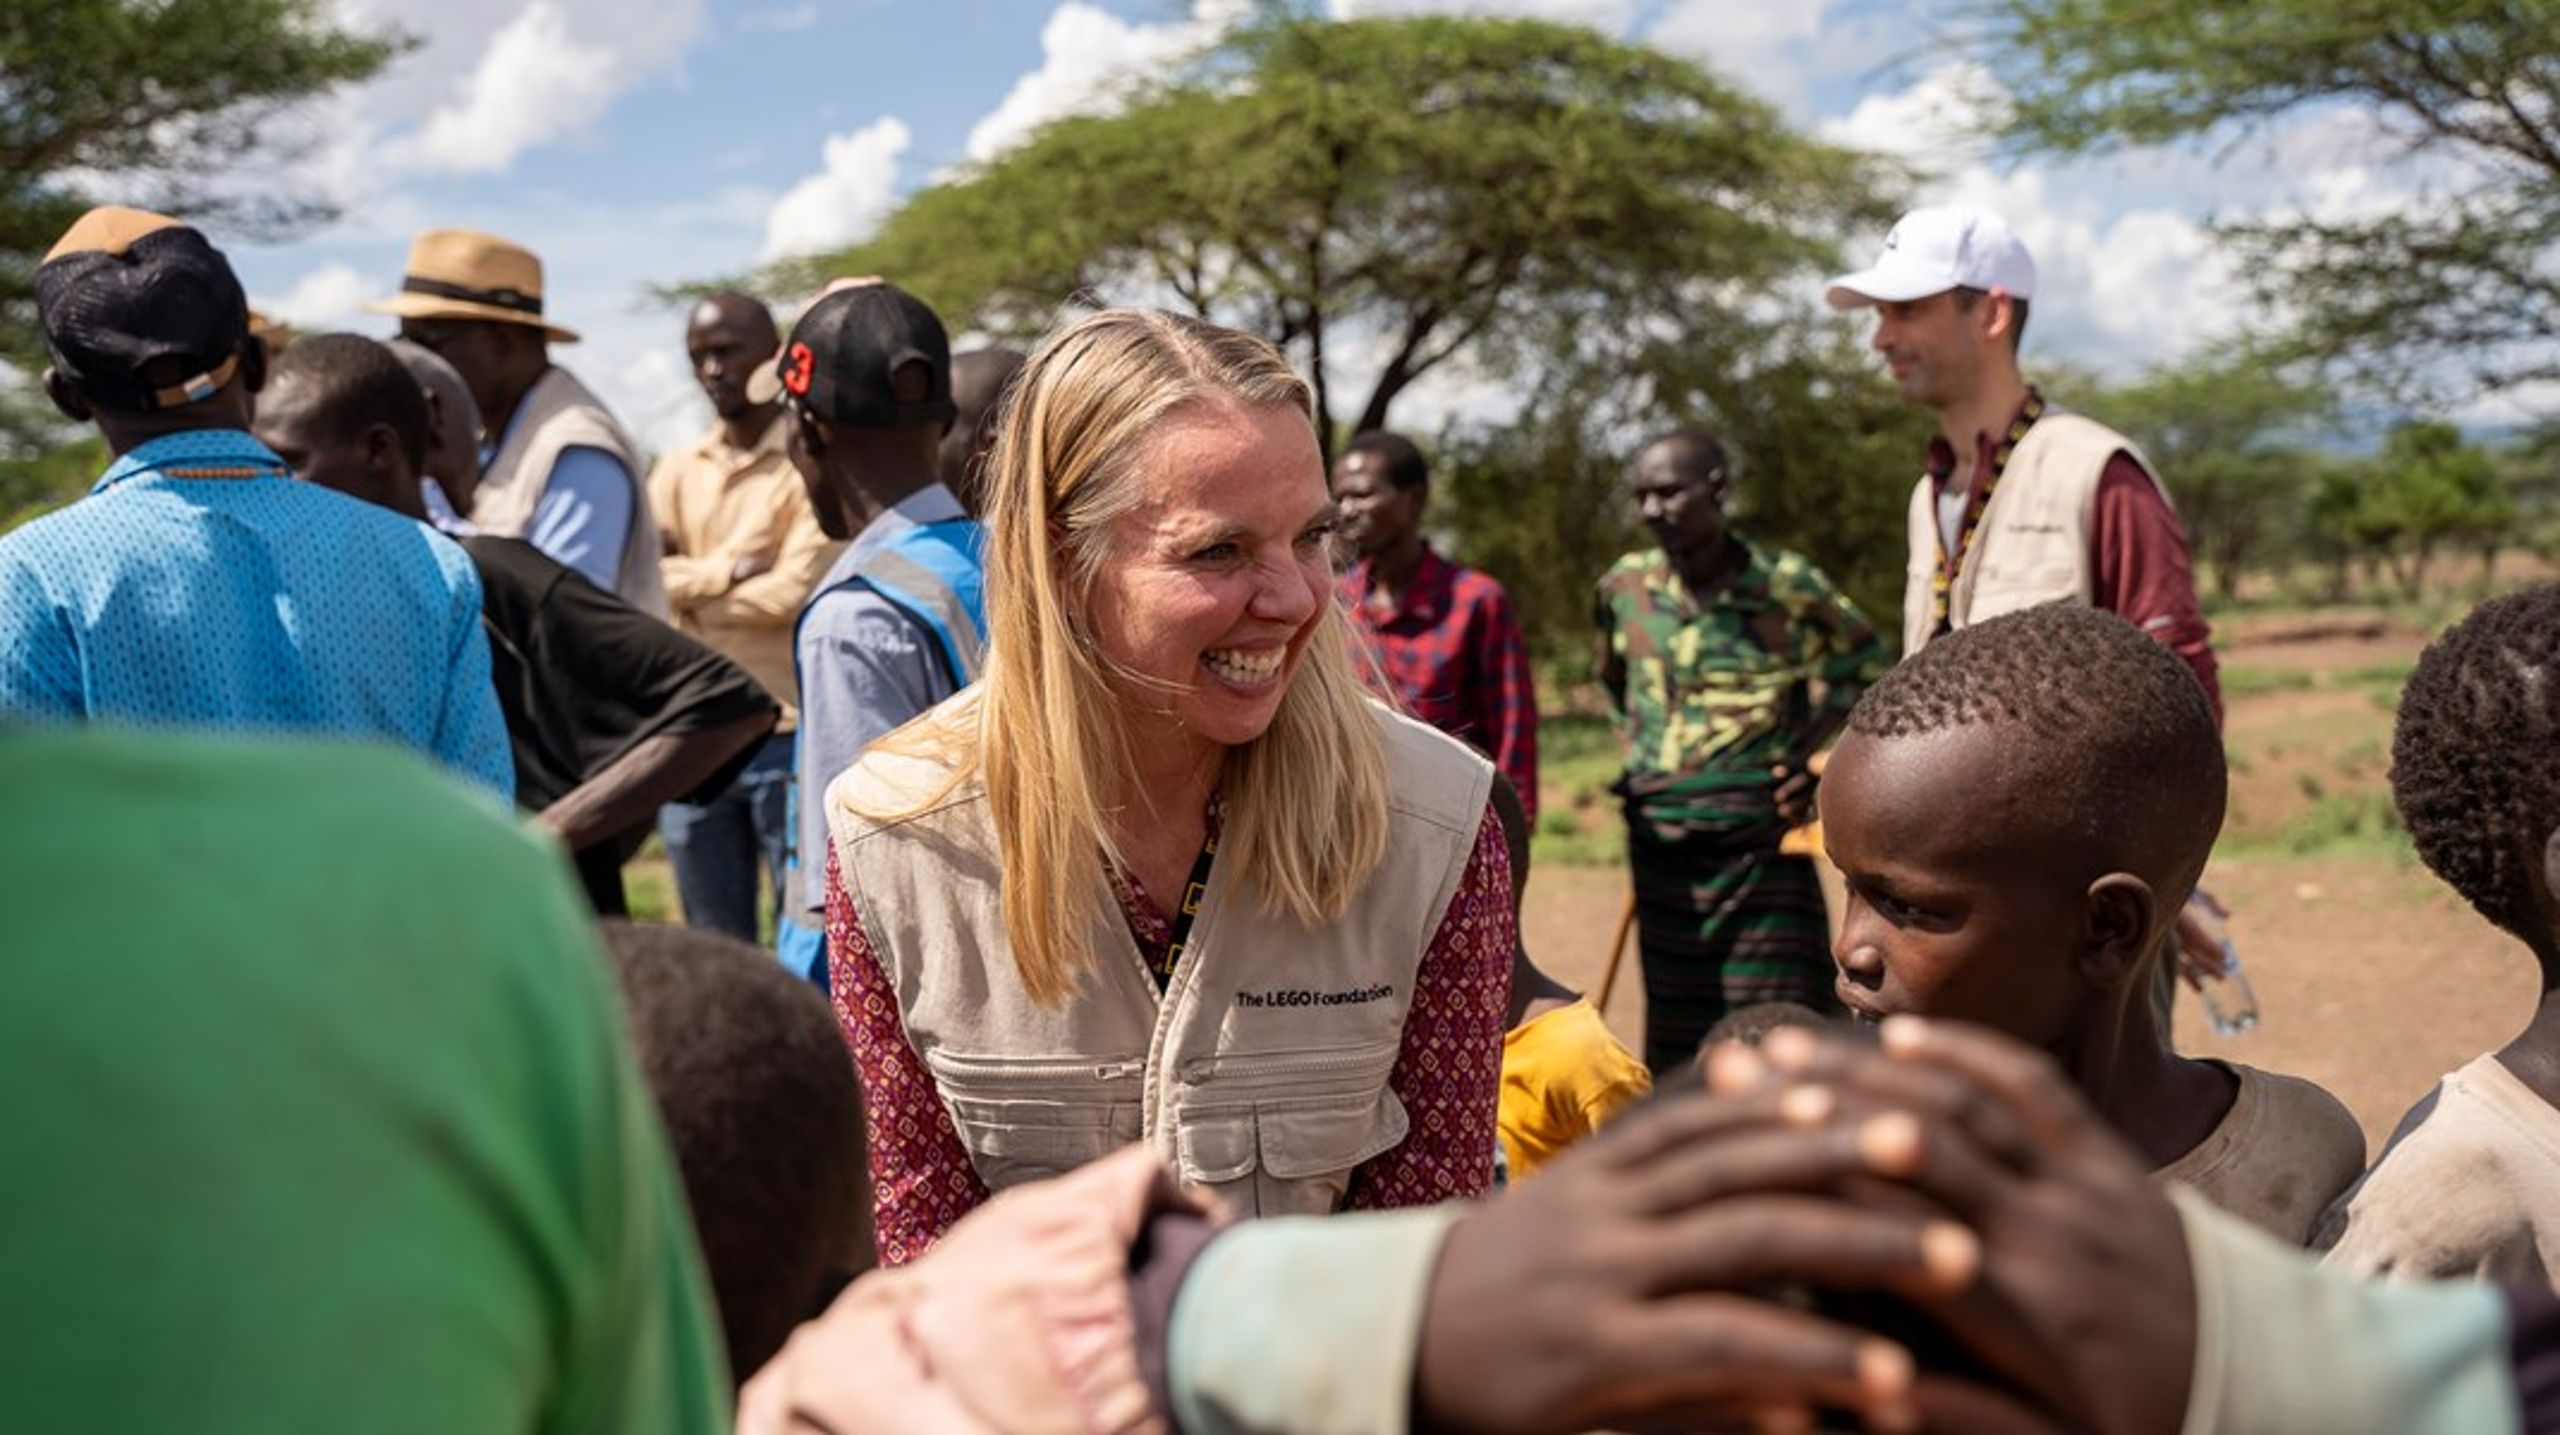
<point>1298,1143</point>
<point>1023,1118</point>
<point>1215,1145</point>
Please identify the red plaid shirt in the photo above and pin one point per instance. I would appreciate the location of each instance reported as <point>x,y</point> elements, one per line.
<point>1451,654</point>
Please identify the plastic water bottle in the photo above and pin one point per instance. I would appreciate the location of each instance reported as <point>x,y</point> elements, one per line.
<point>2229,1003</point>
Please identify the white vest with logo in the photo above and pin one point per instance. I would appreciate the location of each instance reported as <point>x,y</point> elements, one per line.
<point>2032,544</point>
<point>556,414</point>
<point>1260,1072</point>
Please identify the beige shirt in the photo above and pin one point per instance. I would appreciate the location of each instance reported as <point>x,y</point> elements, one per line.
<point>2282,1154</point>
<point>2469,1186</point>
<point>723,503</point>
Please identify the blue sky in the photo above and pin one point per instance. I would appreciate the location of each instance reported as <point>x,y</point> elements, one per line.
<point>633,142</point>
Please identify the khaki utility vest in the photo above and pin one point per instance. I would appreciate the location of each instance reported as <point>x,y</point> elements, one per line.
<point>556,414</point>
<point>2032,545</point>
<point>1260,1072</point>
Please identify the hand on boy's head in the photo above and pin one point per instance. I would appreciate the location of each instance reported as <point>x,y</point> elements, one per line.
<point>2084,1297</point>
<point>1622,1288</point>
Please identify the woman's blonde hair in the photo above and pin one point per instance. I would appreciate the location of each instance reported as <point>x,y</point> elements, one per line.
<point>1305,804</point>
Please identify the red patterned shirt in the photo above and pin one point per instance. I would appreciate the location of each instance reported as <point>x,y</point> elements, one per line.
<point>1451,653</point>
<point>1448,1071</point>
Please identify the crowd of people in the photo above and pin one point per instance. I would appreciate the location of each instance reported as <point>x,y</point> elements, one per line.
<point>1100,819</point>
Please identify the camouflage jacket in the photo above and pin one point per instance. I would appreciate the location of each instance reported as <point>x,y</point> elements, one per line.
<point>1717,693</point>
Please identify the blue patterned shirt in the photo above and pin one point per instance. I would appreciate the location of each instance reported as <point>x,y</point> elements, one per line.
<point>199,585</point>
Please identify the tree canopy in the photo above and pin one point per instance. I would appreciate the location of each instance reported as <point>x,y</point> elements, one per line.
<point>2226,431</point>
<point>147,98</point>
<point>1381,197</point>
<point>2461,291</point>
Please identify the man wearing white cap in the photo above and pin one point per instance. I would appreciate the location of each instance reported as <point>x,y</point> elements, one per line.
<point>2022,502</point>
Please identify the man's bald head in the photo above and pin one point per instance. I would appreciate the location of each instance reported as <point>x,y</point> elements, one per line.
<point>727,337</point>
<point>747,313</point>
<point>1695,453</point>
<point>978,380</point>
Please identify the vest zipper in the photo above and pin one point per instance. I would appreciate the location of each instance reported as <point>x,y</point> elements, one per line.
<point>1035,1073</point>
<point>1294,1063</point>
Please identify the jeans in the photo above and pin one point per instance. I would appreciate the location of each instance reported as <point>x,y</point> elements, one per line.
<point>714,845</point>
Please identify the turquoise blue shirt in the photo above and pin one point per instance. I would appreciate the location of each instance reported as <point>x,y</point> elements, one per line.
<point>199,585</point>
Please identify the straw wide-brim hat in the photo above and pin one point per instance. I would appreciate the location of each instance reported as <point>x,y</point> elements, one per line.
<point>465,274</point>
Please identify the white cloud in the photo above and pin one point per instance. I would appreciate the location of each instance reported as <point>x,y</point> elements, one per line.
<point>655,396</point>
<point>1090,58</point>
<point>535,83</point>
<point>1612,16</point>
<point>795,17</point>
<point>332,296</point>
<point>1938,121</point>
<point>1770,47</point>
<point>848,195</point>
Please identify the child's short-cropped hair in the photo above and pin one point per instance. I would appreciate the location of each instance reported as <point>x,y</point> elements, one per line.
<point>2472,771</point>
<point>2120,729</point>
<point>763,1109</point>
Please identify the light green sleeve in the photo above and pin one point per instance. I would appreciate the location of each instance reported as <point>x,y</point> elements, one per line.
<point>2285,1346</point>
<point>1305,1325</point>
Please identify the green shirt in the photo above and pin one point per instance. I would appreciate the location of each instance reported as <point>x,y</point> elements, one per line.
<point>1718,692</point>
<point>320,1116</point>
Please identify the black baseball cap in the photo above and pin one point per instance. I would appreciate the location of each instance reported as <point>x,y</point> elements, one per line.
<point>124,290</point>
<point>845,351</point>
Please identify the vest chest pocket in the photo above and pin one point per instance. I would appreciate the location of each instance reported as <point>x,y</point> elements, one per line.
<point>1280,1133</point>
<point>1027,1118</point>
<point>2013,586</point>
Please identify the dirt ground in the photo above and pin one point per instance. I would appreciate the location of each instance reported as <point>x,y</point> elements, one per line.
<point>2372,978</point>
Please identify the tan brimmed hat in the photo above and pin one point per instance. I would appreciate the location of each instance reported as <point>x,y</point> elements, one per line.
<point>465,274</point>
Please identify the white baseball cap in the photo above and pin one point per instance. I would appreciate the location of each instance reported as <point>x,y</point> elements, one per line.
<point>1931,251</point>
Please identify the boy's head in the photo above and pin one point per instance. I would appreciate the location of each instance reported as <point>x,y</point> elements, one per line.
<point>2470,762</point>
<point>761,1105</point>
<point>2018,810</point>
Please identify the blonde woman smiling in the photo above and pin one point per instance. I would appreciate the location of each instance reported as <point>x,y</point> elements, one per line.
<point>1165,874</point>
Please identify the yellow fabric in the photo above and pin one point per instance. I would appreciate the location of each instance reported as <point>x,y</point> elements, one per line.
<point>1564,1075</point>
<point>722,503</point>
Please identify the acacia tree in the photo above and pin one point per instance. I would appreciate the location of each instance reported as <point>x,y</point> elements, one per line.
<point>2464,289</point>
<point>2225,431</point>
<point>1381,197</point>
<point>148,97</point>
<point>2431,488</point>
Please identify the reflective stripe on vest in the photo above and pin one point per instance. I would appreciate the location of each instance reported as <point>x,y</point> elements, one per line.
<point>932,572</point>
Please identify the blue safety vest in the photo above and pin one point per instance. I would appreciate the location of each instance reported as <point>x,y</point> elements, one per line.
<point>933,574</point>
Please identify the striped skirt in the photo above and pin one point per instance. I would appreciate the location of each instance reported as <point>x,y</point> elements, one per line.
<point>1723,922</point>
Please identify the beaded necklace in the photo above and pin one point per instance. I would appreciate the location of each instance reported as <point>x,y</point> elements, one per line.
<point>1942,578</point>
